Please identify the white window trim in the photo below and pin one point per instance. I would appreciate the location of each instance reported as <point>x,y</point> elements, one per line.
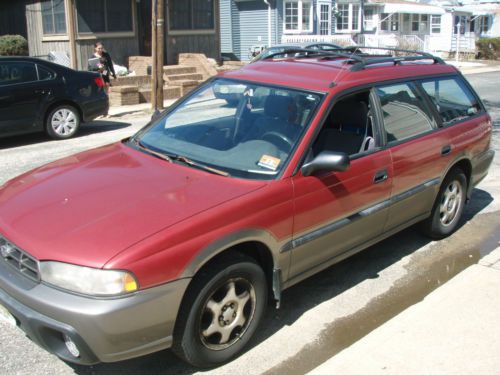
<point>433,24</point>
<point>349,21</point>
<point>300,7</point>
<point>318,11</point>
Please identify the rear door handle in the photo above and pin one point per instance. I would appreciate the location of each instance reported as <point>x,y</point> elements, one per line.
<point>445,150</point>
<point>380,176</point>
<point>40,92</point>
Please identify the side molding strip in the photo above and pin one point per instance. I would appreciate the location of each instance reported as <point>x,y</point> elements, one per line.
<point>350,219</point>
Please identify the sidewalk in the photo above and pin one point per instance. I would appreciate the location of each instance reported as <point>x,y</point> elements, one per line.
<point>454,330</point>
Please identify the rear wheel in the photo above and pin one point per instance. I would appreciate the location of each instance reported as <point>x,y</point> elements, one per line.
<point>62,122</point>
<point>221,311</point>
<point>448,207</point>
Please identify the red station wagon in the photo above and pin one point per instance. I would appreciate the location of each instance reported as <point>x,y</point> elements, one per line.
<point>180,235</point>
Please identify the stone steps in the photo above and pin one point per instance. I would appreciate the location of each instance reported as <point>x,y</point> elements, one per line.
<point>184,77</point>
<point>178,69</point>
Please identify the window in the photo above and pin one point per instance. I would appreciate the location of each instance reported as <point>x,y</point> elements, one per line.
<point>349,17</point>
<point>453,99</point>
<point>368,20</point>
<point>298,16</point>
<point>100,16</point>
<point>19,72</point>
<point>325,19</point>
<point>405,114</point>
<point>485,24</point>
<point>191,15</point>
<point>390,22</point>
<point>45,74</point>
<point>414,22</point>
<point>53,17</point>
<point>435,24</point>
<point>460,22</point>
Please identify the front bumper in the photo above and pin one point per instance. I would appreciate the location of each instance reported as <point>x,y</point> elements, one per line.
<point>104,330</point>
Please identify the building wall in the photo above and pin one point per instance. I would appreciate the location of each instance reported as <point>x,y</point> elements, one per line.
<point>226,27</point>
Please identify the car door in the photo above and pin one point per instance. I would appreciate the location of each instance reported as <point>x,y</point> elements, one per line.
<point>20,97</point>
<point>419,151</point>
<point>338,212</point>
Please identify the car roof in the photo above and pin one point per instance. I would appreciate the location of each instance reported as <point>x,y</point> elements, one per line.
<point>319,74</point>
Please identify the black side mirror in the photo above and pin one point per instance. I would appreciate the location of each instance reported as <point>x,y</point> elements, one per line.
<point>327,161</point>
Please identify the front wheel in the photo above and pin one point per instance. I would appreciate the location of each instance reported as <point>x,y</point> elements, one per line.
<point>221,311</point>
<point>448,207</point>
<point>62,122</point>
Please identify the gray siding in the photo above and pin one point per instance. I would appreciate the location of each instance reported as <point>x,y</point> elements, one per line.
<point>119,49</point>
<point>206,43</point>
<point>236,28</point>
<point>226,32</point>
<point>253,25</point>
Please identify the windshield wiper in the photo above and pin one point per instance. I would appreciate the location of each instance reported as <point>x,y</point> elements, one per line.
<point>195,164</point>
<point>152,152</point>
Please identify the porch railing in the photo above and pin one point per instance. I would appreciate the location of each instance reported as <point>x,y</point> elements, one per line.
<point>412,42</point>
<point>343,40</point>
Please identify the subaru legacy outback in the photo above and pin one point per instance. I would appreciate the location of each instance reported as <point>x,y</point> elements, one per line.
<point>179,236</point>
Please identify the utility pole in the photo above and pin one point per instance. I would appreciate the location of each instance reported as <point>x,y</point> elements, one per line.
<point>157,48</point>
<point>70,21</point>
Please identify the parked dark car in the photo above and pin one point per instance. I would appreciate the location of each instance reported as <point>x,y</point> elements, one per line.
<point>37,95</point>
<point>180,235</point>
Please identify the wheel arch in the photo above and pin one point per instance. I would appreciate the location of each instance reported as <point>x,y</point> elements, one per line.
<point>465,165</point>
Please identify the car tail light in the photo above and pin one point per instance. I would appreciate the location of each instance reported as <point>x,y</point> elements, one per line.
<point>99,82</point>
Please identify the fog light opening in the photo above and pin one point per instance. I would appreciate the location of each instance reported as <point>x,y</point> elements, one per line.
<point>71,346</point>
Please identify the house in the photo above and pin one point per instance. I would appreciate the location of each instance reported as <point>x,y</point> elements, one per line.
<point>438,27</point>
<point>124,27</point>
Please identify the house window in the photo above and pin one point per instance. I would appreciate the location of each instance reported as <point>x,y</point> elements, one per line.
<point>101,16</point>
<point>53,17</point>
<point>298,16</point>
<point>414,22</point>
<point>390,22</point>
<point>485,24</point>
<point>368,20</point>
<point>349,17</point>
<point>460,21</point>
<point>325,19</point>
<point>191,15</point>
<point>435,24</point>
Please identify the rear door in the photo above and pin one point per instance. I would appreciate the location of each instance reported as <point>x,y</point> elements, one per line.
<point>420,152</point>
<point>20,97</point>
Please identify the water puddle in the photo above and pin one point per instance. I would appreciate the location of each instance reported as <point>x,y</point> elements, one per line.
<point>426,272</point>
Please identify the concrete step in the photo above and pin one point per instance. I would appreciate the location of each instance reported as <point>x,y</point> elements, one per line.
<point>185,77</point>
<point>178,69</point>
<point>185,82</point>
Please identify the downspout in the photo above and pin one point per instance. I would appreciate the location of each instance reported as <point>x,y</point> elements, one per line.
<point>269,39</point>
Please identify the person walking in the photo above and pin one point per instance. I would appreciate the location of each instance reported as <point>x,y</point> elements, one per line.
<point>101,62</point>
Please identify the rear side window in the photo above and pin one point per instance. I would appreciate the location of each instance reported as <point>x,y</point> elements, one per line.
<point>404,112</point>
<point>452,98</point>
<point>45,74</point>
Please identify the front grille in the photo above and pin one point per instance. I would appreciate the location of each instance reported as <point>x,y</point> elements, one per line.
<point>19,260</point>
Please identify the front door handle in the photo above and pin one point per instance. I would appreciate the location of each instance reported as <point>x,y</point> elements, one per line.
<point>445,150</point>
<point>380,176</point>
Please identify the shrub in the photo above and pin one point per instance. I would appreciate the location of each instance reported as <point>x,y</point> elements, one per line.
<point>13,45</point>
<point>488,48</point>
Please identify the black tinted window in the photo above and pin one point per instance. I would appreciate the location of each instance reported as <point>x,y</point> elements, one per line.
<point>453,100</point>
<point>405,114</point>
<point>18,72</point>
<point>45,74</point>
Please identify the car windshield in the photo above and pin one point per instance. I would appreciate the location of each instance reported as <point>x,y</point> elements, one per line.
<point>232,128</point>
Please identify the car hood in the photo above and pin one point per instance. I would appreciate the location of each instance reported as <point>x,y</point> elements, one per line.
<point>87,208</point>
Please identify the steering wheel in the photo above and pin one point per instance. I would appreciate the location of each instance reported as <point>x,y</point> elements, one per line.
<point>283,140</point>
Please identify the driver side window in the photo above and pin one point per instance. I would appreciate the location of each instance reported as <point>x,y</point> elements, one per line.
<point>348,127</point>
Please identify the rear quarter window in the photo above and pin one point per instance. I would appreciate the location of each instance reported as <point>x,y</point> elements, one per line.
<point>453,99</point>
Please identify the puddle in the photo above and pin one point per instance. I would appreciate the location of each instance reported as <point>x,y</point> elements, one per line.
<point>426,272</point>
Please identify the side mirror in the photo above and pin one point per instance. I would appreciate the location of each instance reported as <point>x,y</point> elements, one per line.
<point>327,161</point>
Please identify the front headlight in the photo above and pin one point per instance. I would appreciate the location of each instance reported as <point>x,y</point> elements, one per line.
<point>85,280</point>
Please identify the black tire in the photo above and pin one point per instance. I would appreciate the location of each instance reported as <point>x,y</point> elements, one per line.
<point>448,207</point>
<point>200,329</point>
<point>62,122</point>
